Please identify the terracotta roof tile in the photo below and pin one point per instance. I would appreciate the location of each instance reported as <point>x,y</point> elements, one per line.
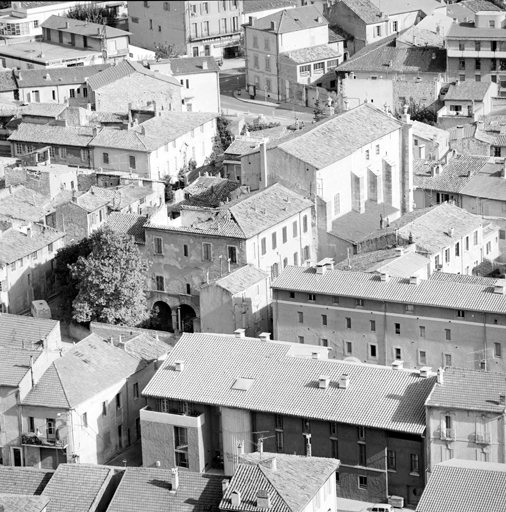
<point>191,65</point>
<point>18,331</point>
<point>241,279</point>
<point>14,365</point>
<point>23,480</point>
<point>129,224</point>
<point>311,54</point>
<point>79,136</point>
<point>254,6</point>
<point>73,26</point>
<point>23,503</point>
<point>57,76</point>
<point>365,10</point>
<point>292,20</point>
<point>468,90</point>
<point>146,347</point>
<point>7,81</point>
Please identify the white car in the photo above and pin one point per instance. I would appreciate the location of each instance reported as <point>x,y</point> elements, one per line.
<point>380,507</point>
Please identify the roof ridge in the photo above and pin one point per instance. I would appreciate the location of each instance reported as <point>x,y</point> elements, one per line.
<point>263,471</point>
<point>61,383</point>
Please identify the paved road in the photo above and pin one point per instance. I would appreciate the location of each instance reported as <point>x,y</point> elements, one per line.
<point>232,79</point>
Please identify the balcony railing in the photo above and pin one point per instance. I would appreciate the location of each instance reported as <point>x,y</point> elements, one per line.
<point>481,438</point>
<point>34,440</point>
<point>214,33</point>
<point>173,418</point>
<point>448,434</point>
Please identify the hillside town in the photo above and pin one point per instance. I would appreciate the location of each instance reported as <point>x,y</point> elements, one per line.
<point>253,256</point>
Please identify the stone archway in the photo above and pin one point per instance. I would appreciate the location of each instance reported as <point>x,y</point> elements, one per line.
<point>186,316</point>
<point>162,316</point>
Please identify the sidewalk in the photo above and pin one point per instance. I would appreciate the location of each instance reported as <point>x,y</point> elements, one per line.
<point>244,97</point>
<point>346,505</point>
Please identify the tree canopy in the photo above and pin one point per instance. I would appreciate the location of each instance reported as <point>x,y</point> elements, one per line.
<point>90,13</point>
<point>110,281</point>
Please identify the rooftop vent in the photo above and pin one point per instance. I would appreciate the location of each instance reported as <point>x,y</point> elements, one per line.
<point>502,398</point>
<point>204,64</point>
<point>324,265</point>
<point>385,277</point>
<point>174,479</point>
<point>500,286</point>
<point>236,499</point>
<point>263,499</point>
<point>451,231</point>
<point>424,372</point>
<point>265,336</point>
<point>414,280</point>
<point>344,381</point>
<point>240,333</point>
<point>324,381</point>
<point>440,376</point>
<point>397,365</point>
<point>179,366</point>
<point>315,355</point>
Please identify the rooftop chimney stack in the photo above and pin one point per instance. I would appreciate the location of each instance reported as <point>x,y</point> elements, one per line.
<point>236,499</point>
<point>174,479</point>
<point>440,376</point>
<point>397,365</point>
<point>414,280</point>
<point>204,64</point>
<point>344,381</point>
<point>324,381</point>
<point>502,398</point>
<point>385,277</point>
<point>224,485</point>
<point>263,499</point>
<point>424,372</point>
<point>315,355</point>
<point>240,333</point>
<point>265,336</point>
<point>179,366</point>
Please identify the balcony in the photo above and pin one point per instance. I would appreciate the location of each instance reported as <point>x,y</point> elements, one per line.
<point>480,438</point>
<point>173,418</point>
<point>34,440</point>
<point>214,34</point>
<point>448,434</point>
<point>475,54</point>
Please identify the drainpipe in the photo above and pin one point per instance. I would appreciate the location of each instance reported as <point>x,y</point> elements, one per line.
<point>385,332</point>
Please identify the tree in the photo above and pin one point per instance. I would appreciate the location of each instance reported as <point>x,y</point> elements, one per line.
<point>111,281</point>
<point>420,113</point>
<point>318,111</point>
<point>225,135</point>
<point>91,13</point>
<point>168,51</point>
<point>67,285</point>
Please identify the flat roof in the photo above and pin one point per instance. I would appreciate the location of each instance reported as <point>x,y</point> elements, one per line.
<point>52,53</point>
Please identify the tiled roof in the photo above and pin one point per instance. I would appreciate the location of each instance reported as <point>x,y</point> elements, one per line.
<point>444,294</point>
<point>75,487</point>
<point>470,31</point>
<point>482,390</point>
<point>149,490</point>
<point>453,177</point>
<point>18,331</point>
<point>388,59</point>
<point>292,20</point>
<point>255,6</point>
<point>121,197</point>
<point>462,132</point>
<point>363,261</point>
<point>403,266</point>
<point>353,129</point>
<point>128,223</point>
<point>338,34</point>
<point>365,10</point>
<point>457,485</point>
<point>91,202</point>
<point>468,90</point>
<point>14,364</point>
<point>52,110</point>
<point>57,76</point>
<point>393,7</point>
<point>312,54</point>
<point>430,227</point>
<point>210,191</point>
<point>146,347</point>
<point>153,133</point>
<point>388,399</point>
<point>267,208</point>
<point>353,226</point>
<point>489,183</point>
<point>463,278</point>
<point>428,132</point>
<point>23,480</point>
<point>23,503</point>
<point>284,484</point>
<point>15,245</point>
<point>7,82</point>
<point>241,279</point>
<point>23,204</point>
<point>418,36</point>
<point>83,28</point>
<point>107,331</point>
<point>89,367</point>
<point>191,65</point>
<point>79,136</point>
<point>123,69</point>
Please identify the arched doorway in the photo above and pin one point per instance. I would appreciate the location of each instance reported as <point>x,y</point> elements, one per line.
<point>187,314</point>
<point>161,317</point>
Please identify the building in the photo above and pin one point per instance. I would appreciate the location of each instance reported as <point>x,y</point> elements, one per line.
<point>31,333</point>
<point>158,147</point>
<point>195,244</point>
<point>429,143</point>
<point>475,50</point>
<point>185,491</point>
<point>21,480</point>
<point>94,420</point>
<point>379,319</point>
<point>274,479</point>
<point>262,8</point>
<point>460,484</point>
<point>281,46</point>
<point>57,85</point>
<point>19,206</point>
<point>197,29</point>
<point>464,425</point>
<point>130,85</point>
<point>298,401</point>
<point>22,502</point>
<point>111,44</point>
<point>130,198</point>
<point>239,300</point>
<point>465,102</point>
<point>200,81</point>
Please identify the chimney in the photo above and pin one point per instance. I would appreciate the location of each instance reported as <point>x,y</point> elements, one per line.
<point>179,365</point>
<point>273,26</point>
<point>263,499</point>
<point>500,286</point>
<point>265,336</point>
<point>263,164</point>
<point>224,485</point>
<point>502,399</point>
<point>240,446</point>
<point>451,232</point>
<point>315,355</point>
<point>433,55</point>
<point>319,19</point>
<point>261,446</point>
<point>204,64</point>
<point>344,381</point>
<point>385,277</point>
<point>236,499</point>
<point>95,131</point>
<point>66,24</point>
<point>240,333</point>
<point>174,479</point>
<point>324,381</point>
<point>406,118</point>
<point>252,20</point>
<point>111,340</point>
<point>415,280</point>
<point>424,372</point>
<point>397,365</point>
<point>270,463</point>
<point>29,232</point>
<point>440,376</point>
<point>399,251</point>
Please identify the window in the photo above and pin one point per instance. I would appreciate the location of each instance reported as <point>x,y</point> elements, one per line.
<point>378,31</point>
<point>337,205</point>
<point>274,241</point>
<point>373,351</point>
<point>489,247</point>
<point>307,252</point>
<point>410,308</point>
<point>362,455</point>
<point>477,63</point>
<point>447,359</point>
<point>497,350</point>
<point>335,300</point>
<point>255,41</point>
<point>348,322</point>
<point>263,244</point>
<point>367,154</point>
<point>50,428</point>
<point>359,303</point>
<point>391,460</point>
<point>467,243</point>
<point>188,289</point>
<point>475,238</point>
<point>300,317</point>
<point>305,70</point>
<point>19,149</point>
<point>136,390</point>
<point>397,329</point>
<point>333,429</point>
<point>63,152</point>
<point>477,78</point>
<point>118,401</point>
<point>158,245</point>
<point>455,108</point>
<point>181,446</point>
<point>348,347</point>
<point>362,482</point>
<point>461,313</point>
<point>324,319</point>
<point>160,283</point>
<point>204,8</point>
<point>132,162</point>
<point>457,249</point>
<point>377,149</point>
<point>462,64</point>
<point>105,158</point>
<point>304,224</point>
<point>185,250</point>
<point>295,258</point>
<point>85,420</point>
<point>447,255</point>
<point>279,421</point>
<point>232,254</point>
<point>361,433</point>
<point>415,463</point>
<point>135,19</point>
<point>207,251</point>
<point>448,334</point>
<point>50,247</point>
<point>319,68</point>
<point>267,63</point>
<point>502,234</point>
<point>373,325</point>
<point>34,255</point>
<point>325,342</point>
<point>300,339</point>
<point>279,441</point>
<point>311,297</point>
<point>398,353</point>
<point>104,408</point>
<point>166,6</point>
<point>284,233</point>
<point>306,426</point>
<point>292,295</point>
<point>334,448</point>
<point>195,34</point>
<point>295,231</point>
<point>395,26</point>
<point>31,424</point>
<point>60,36</point>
